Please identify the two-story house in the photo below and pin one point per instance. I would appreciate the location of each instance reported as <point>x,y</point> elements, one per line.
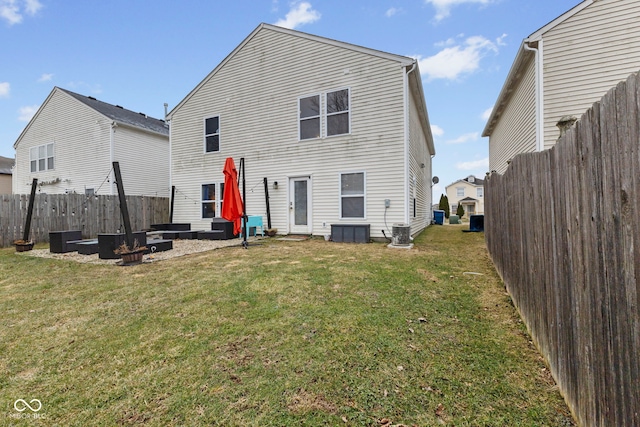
<point>468,192</point>
<point>71,142</point>
<point>340,131</point>
<point>559,71</point>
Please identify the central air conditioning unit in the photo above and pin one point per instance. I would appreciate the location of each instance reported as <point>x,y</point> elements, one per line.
<point>401,234</point>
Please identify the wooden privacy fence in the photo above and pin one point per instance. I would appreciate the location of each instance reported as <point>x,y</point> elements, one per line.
<point>90,214</point>
<point>563,229</point>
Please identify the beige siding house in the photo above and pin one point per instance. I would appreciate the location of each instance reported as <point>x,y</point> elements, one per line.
<point>70,143</point>
<point>468,192</point>
<point>340,131</point>
<point>559,72</point>
<point>6,172</point>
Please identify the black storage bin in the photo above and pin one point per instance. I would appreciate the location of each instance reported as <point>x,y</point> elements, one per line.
<point>58,241</point>
<point>225,226</point>
<point>350,233</point>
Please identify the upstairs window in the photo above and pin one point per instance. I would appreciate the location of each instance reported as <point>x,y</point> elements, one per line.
<point>41,158</point>
<point>459,191</point>
<point>338,112</point>
<point>334,116</point>
<point>212,134</point>
<point>309,117</point>
<point>480,192</point>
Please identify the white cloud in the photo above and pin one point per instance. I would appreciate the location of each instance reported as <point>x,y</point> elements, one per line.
<point>443,7</point>
<point>474,165</point>
<point>487,113</point>
<point>467,137</point>
<point>45,78</point>
<point>437,130</point>
<point>26,113</point>
<point>5,88</point>
<point>456,60</point>
<point>392,11</point>
<point>13,11</point>
<point>299,14</point>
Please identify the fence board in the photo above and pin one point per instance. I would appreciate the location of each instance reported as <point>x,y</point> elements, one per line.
<point>563,230</point>
<point>90,214</point>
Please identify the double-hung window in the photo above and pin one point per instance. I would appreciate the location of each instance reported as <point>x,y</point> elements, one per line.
<point>212,200</point>
<point>41,158</point>
<point>352,195</point>
<point>480,192</point>
<point>338,112</point>
<point>459,191</point>
<point>310,117</point>
<point>212,134</point>
<point>334,116</point>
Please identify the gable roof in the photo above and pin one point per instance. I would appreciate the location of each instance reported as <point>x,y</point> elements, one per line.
<point>404,60</point>
<point>115,113</point>
<point>415,81</point>
<point>122,115</point>
<point>476,181</point>
<point>5,165</point>
<point>522,57</point>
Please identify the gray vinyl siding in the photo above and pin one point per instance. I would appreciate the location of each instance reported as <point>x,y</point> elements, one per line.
<point>82,158</point>
<point>515,131</point>
<point>419,156</point>
<point>144,174</point>
<point>585,56</point>
<point>81,143</point>
<point>255,93</point>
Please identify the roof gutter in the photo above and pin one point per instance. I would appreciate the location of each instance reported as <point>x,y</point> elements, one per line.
<point>539,90</point>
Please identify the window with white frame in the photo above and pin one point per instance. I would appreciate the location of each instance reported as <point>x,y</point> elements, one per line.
<point>459,191</point>
<point>480,191</point>
<point>41,158</point>
<point>336,113</point>
<point>309,108</point>
<point>212,200</point>
<point>352,195</point>
<point>212,134</point>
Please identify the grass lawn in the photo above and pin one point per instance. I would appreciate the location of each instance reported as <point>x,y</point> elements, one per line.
<point>284,333</point>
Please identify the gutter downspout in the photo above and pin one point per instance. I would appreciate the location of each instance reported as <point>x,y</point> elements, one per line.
<point>406,142</point>
<point>112,137</point>
<point>539,92</point>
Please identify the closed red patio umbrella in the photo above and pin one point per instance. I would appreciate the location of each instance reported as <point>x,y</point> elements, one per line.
<point>232,206</point>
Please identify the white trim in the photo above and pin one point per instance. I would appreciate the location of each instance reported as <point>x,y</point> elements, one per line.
<point>537,35</point>
<point>299,119</point>
<point>405,95</point>
<point>364,195</point>
<point>217,202</point>
<point>290,190</point>
<point>326,113</point>
<point>204,133</point>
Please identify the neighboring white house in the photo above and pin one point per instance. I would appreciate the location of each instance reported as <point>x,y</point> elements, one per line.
<point>6,172</point>
<point>70,143</point>
<point>340,131</point>
<point>468,192</point>
<point>559,72</point>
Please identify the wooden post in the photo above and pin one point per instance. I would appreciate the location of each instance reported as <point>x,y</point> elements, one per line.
<point>27,226</point>
<point>266,195</point>
<point>173,196</point>
<point>123,205</point>
<point>245,244</point>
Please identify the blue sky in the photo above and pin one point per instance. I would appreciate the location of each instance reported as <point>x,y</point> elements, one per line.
<point>141,54</point>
